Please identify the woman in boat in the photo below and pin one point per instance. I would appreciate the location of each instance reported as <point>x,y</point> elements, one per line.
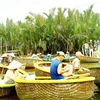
<point>77,69</point>
<point>4,60</point>
<point>56,69</point>
<point>11,57</point>
<point>12,73</point>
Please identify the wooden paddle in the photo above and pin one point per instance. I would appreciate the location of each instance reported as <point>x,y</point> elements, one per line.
<point>1,75</point>
<point>75,76</point>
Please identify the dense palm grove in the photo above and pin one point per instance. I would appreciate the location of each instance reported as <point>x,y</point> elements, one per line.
<point>61,29</point>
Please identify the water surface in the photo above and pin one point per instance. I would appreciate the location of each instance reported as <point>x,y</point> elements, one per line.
<point>14,97</point>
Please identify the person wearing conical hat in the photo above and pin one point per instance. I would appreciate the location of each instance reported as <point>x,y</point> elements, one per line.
<point>12,73</point>
<point>11,57</point>
<point>4,59</point>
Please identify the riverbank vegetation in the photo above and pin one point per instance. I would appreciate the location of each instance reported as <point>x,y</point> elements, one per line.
<point>60,29</point>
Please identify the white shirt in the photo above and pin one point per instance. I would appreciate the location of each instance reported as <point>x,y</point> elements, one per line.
<point>76,63</point>
<point>86,45</point>
<point>11,75</point>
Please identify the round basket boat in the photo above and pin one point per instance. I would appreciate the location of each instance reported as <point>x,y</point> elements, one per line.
<point>43,68</point>
<point>3,69</point>
<point>73,89</point>
<point>28,61</point>
<point>7,89</point>
<point>95,72</point>
<point>86,59</point>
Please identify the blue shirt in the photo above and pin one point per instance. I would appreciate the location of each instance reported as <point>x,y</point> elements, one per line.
<point>47,58</point>
<point>53,70</point>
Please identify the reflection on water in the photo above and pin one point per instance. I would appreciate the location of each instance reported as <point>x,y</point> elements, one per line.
<point>96,96</point>
<point>12,97</point>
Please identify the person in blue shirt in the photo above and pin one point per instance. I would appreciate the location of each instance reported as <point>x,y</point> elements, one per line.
<point>56,69</point>
<point>47,57</point>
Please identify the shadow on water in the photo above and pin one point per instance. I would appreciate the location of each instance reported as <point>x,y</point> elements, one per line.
<point>11,97</point>
<point>96,96</point>
<point>14,97</point>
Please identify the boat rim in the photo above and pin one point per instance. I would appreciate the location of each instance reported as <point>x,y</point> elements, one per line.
<point>78,80</point>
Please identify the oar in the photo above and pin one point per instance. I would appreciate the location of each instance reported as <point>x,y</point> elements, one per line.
<point>82,75</point>
<point>1,76</point>
<point>75,76</point>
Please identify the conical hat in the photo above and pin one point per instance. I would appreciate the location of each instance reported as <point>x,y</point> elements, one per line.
<point>14,65</point>
<point>4,55</point>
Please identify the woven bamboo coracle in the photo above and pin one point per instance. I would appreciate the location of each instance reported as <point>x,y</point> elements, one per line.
<point>95,72</point>
<point>29,62</point>
<point>3,69</point>
<point>88,59</point>
<point>73,89</point>
<point>43,68</point>
<point>7,89</point>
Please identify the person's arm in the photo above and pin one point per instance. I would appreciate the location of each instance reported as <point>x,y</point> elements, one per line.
<point>83,48</point>
<point>18,74</point>
<point>60,69</point>
<point>9,74</point>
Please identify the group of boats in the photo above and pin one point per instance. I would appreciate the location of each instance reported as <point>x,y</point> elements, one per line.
<point>76,87</point>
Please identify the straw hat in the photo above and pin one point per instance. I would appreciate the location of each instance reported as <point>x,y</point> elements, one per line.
<point>14,65</point>
<point>60,53</point>
<point>4,55</point>
<point>78,53</point>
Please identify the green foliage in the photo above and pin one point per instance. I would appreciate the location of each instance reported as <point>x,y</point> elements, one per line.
<point>61,29</point>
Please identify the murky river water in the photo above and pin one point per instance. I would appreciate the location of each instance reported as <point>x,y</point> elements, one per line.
<point>14,97</point>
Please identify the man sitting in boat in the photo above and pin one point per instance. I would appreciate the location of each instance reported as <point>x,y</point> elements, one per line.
<point>56,69</point>
<point>77,69</point>
<point>12,73</point>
